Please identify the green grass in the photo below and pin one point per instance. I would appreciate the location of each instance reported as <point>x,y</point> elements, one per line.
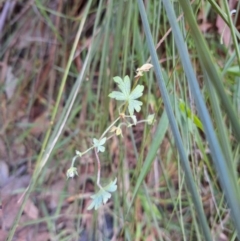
<point>176,181</point>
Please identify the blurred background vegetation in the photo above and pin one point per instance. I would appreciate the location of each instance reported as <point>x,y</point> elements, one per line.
<point>57,63</point>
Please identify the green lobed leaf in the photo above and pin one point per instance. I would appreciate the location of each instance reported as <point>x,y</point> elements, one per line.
<point>99,144</point>
<point>134,105</point>
<point>117,95</point>
<point>111,187</point>
<point>103,195</point>
<point>124,86</point>
<point>137,92</point>
<point>127,95</point>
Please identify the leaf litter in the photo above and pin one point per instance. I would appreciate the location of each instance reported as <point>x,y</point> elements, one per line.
<point>30,79</point>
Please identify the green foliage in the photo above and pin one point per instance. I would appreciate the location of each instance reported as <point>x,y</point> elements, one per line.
<point>127,95</point>
<point>99,144</point>
<point>103,195</point>
<point>130,98</point>
<point>157,152</point>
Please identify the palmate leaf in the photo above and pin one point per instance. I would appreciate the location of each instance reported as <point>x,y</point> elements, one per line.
<point>103,195</point>
<point>99,144</point>
<point>127,95</point>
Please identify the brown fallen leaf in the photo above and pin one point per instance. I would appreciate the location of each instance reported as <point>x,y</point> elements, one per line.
<point>10,208</point>
<point>40,124</point>
<point>10,83</point>
<point>4,173</point>
<point>31,210</point>
<point>43,236</point>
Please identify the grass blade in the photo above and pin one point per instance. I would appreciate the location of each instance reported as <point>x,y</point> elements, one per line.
<point>184,160</point>
<point>208,64</point>
<point>225,175</point>
<point>158,138</point>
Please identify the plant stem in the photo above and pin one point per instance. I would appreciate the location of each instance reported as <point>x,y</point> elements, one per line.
<point>105,132</point>
<point>99,169</point>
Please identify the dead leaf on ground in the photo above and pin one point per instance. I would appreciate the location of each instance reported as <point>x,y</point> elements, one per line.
<point>13,184</point>
<point>11,201</point>
<point>43,236</point>
<point>31,210</point>
<point>40,124</point>
<point>4,173</point>
<point>10,83</point>
<point>3,149</point>
<point>54,193</point>
<point>10,208</point>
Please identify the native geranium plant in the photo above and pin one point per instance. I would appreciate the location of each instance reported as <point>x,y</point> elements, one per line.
<point>129,96</point>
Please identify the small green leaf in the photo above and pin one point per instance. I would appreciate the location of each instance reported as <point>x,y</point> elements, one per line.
<point>99,144</point>
<point>127,95</point>
<point>103,195</point>
<point>111,187</point>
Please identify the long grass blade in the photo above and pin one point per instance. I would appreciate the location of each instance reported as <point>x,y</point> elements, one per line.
<point>208,64</point>
<point>44,155</point>
<point>157,140</point>
<point>225,176</point>
<point>183,157</point>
